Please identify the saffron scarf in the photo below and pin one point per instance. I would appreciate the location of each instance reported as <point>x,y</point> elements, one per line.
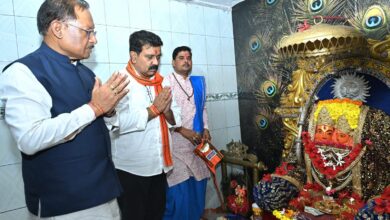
<point>156,83</point>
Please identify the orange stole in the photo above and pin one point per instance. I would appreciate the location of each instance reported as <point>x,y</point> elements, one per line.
<point>156,83</point>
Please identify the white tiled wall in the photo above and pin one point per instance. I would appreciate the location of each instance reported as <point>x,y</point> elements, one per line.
<point>208,31</point>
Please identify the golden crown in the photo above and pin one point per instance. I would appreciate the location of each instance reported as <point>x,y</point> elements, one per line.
<point>324,118</point>
<point>343,125</point>
<point>323,39</point>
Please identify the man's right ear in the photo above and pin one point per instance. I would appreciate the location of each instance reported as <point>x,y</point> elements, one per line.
<point>56,28</point>
<point>133,57</point>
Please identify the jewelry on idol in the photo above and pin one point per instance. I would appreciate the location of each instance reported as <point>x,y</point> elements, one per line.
<point>188,96</point>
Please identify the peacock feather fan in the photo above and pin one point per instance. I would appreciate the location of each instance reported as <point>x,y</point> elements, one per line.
<point>370,18</point>
<point>313,11</point>
<point>259,45</point>
<point>269,135</point>
<point>270,87</point>
<point>273,15</point>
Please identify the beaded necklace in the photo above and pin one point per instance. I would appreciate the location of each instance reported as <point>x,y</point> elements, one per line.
<point>181,87</point>
<point>149,94</point>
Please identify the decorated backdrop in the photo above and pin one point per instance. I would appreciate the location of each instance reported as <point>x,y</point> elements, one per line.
<point>265,72</point>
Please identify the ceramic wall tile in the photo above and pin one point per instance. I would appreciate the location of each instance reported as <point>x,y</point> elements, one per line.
<point>118,44</point>
<point>18,214</point>
<point>97,9</point>
<point>198,47</point>
<point>160,15</point>
<point>179,19</point>
<point>165,69</point>
<point>196,19</point>
<point>229,78</point>
<point>225,23</point>
<point>27,35</point>
<point>214,79</point>
<point>101,70</point>
<point>199,70</point>
<point>218,113</point>
<point>234,133</point>
<point>9,152</point>
<point>3,64</point>
<point>7,7</point>
<point>117,66</point>
<point>140,14</point>
<point>11,192</point>
<point>179,39</point>
<point>117,13</point>
<point>232,113</point>
<point>227,51</point>
<point>8,39</point>
<point>27,8</point>
<point>213,50</point>
<point>219,138</point>
<point>211,18</point>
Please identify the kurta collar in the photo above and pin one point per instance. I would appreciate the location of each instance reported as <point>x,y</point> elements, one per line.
<point>180,77</point>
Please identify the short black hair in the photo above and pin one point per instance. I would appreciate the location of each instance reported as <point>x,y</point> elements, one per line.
<point>141,38</point>
<point>180,49</point>
<point>61,10</point>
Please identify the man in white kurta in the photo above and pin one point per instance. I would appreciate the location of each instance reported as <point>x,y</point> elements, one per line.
<point>140,136</point>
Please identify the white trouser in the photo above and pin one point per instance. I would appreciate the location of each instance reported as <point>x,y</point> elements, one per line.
<point>106,211</point>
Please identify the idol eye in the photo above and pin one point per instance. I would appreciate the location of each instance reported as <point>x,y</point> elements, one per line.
<point>254,44</point>
<point>269,88</point>
<point>374,18</point>
<point>316,5</point>
<point>271,2</point>
<point>262,122</point>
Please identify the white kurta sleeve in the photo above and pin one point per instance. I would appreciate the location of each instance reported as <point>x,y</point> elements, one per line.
<point>28,115</point>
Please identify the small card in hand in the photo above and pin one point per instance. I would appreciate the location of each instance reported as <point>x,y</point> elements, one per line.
<point>209,154</point>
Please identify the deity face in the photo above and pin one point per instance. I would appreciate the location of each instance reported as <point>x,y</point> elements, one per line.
<point>349,90</point>
<point>340,137</point>
<point>323,133</point>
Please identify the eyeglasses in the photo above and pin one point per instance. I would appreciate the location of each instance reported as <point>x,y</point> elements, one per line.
<point>89,32</point>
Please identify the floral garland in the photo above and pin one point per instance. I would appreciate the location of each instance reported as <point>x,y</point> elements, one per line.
<point>382,203</point>
<point>285,214</point>
<point>322,166</point>
<point>238,202</point>
<point>311,193</point>
<point>281,170</point>
<point>348,203</point>
<point>333,144</point>
<point>338,107</point>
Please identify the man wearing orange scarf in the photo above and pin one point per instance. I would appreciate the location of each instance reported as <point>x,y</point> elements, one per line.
<point>140,131</point>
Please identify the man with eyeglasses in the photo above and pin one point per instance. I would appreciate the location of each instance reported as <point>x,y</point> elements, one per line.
<point>55,110</point>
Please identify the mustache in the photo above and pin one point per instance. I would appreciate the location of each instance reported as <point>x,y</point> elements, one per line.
<point>154,67</point>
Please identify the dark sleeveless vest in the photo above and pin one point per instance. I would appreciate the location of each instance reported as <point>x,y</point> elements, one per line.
<point>77,174</point>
